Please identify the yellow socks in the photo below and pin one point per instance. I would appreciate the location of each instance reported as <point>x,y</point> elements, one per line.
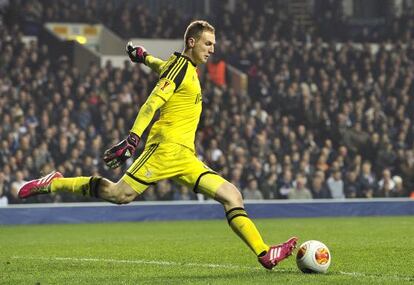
<point>84,185</point>
<point>246,230</point>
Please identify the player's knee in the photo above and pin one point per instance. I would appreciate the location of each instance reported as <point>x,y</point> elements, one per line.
<point>123,198</point>
<point>120,200</point>
<point>229,196</point>
<point>106,188</point>
<point>236,197</point>
<point>115,193</point>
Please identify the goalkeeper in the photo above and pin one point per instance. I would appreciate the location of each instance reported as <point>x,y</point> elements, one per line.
<point>169,152</point>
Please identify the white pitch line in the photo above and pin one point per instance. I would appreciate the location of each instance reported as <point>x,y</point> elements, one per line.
<point>139,261</point>
<point>389,277</point>
<point>208,265</point>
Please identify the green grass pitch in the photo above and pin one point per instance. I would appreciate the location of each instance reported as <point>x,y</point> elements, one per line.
<point>371,250</point>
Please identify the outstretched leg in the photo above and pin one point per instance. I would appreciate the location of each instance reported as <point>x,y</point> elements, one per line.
<point>93,186</point>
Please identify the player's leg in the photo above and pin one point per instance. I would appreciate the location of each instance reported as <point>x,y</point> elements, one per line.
<point>230,197</point>
<point>207,182</point>
<point>132,184</point>
<point>124,191</point>
<point>98,187</point>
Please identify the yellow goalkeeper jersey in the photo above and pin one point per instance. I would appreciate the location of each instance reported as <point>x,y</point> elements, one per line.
<point>180,108</point>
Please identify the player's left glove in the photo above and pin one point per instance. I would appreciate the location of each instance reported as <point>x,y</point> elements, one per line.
<point>119,153</point>
<point>136,53</point>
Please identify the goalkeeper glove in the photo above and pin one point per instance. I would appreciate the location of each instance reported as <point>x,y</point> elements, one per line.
<point>119,153</point>
<point>136,53</point>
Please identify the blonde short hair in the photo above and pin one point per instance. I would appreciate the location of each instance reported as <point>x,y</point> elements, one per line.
<point>196,28</point>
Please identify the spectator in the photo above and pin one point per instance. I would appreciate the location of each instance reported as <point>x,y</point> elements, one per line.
<point>349,108</point>
<point>407,169</point>
<point>367,180</point>
<point>386,186</point>
<point>183,193</point>
<point>285,185</point>
<point>15,186</point>
<point>3,188</point>
<point>236,176</point>
<point>336,185</point>
<point>164,191</point>
<point>399,187</point>
<point>352,188</point>
<point>318,188</point>
<point>251,191</point>
<point>269,187</point>
<point>300,191</point>
<point>214,152</point>
<point>150,195</point>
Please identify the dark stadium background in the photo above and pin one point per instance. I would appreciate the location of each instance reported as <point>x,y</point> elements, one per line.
<point>316,91</point>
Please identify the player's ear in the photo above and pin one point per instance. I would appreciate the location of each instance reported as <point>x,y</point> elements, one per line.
<point>190,42</point>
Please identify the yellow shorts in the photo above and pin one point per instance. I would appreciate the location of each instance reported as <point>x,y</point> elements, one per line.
<point>172,161</point>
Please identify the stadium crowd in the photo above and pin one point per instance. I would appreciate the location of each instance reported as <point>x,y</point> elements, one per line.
<point>324,120</point>
<point>262,19</point>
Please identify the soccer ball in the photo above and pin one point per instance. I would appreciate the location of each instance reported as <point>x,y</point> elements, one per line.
<point>313,257</point>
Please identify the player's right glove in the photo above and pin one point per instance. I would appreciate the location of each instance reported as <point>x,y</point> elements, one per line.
<point>119,153</point>
<point>136,53</point>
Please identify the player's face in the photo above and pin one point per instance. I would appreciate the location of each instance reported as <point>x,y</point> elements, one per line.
<point>204,47</point>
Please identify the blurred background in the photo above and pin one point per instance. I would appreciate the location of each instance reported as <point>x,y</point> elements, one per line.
<point>302,99</point>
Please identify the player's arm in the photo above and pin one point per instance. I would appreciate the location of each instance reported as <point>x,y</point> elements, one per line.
<point>140,55</point>
<point>161,94</point>
<point>119,153</point>
<point>154,63</point>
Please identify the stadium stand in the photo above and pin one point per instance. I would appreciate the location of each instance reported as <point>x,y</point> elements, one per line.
<point>334,113</point>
